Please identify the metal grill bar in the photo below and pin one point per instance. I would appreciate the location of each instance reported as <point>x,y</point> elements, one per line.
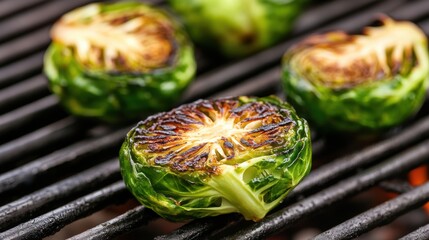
<point>377,216</point>
<point>21,69</point>
<point>45,14</point>
<point>259,83</point>
<point>117,226</point>
<point>413,9</point>
<point>35,170</point>
<point>23,92</point>
<point>425,25</point>
<point>30,143</point>
<point>51,222</point>
<point>405,161</point>
<point>8,8</point>
<point>396,186</point>
<point>49,197</point>
<point>337,168</point>
<point>35,41</point>
<point>28,113</point>
<point>420,234</point>
<point>194,230</point>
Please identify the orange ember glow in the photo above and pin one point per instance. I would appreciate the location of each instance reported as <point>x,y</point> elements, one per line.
<point>418,177</point>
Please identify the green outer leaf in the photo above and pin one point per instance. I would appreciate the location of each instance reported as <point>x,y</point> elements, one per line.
<point>370,107</point>
<point>240,27</point>
<point>115,97</point>
<point>181,196</point>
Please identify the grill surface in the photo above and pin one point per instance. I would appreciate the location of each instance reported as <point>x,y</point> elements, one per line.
<point>55,170</point>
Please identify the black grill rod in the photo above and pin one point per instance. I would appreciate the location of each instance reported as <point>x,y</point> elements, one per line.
<point>122,224</point>
<point>53,221</point>
<point>12,7</point>
<point>285,217</point>
<point>339,167</point>
<point>369,155</point>
<point>28,113</point>
<point>47,198</point>
<point>22,46</point>
<point>139,216</point>
<point>421,233</point>
<point>198,229</point>
<point>60,159</point>
<point>425,26</point>
<point>254,85</point>
<point>21,69</point>
<point>396,186</point>
<point>23,92</point>
<point>29,20</point>
<point>412,10</point>
<point>377,216</point>
<point>58,131</point>
<point>212,81</point>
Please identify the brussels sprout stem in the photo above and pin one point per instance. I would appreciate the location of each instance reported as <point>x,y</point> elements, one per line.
<point>237,193</point>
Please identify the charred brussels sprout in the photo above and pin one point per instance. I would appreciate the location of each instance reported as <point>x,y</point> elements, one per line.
<point>365,82</point>
<point>240,27</point>
<point>219,156</point>
<point>118,61</point>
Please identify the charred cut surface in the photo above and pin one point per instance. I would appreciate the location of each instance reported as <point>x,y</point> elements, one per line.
<point>134,40</point>
<point>205,134</point>
<point>338,60</point>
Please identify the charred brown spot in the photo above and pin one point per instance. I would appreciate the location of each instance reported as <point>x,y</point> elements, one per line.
<point>132,40</point>
<point>339,60</point>
<point>206,134</point>
<point>248,39</point>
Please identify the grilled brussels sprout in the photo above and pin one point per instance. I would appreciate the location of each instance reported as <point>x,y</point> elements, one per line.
<point>118,61</point>
<point>218,156</point>
<point>364,82</point>
<point>240,27</point>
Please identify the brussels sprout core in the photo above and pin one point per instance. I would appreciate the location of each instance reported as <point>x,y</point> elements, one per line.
<point>367,82</point>
<point>218,156</point>
<point>136,40</point>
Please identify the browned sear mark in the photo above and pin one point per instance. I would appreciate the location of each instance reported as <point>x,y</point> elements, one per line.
<point>207,133</point>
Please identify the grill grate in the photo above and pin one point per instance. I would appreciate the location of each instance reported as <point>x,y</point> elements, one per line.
<point>378,215</point>
<point>55,170</point>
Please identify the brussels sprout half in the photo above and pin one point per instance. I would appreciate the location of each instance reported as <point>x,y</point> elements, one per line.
<point>240,27</point>
<point>366,82</point>
<point>218,156</point>
<point>118,61</point>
